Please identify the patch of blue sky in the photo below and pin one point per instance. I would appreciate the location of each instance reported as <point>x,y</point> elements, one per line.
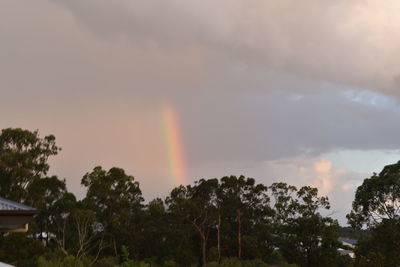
<point>372,99</point>
<point>363,161</point>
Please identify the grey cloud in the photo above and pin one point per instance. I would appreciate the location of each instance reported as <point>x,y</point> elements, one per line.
<point>251,127</point>
<point>341,41</point>
<point>252,81</point>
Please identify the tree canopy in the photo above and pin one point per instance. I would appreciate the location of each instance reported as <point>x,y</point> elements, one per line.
<point>23,161</point>
<point>377,206</point>
<point>228,221</point>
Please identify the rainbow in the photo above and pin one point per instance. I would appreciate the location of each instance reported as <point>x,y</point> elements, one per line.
<point>174,149</point>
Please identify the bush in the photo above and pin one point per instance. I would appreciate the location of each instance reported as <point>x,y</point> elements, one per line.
<point>20,250</point>
<point>67,261</point>
<point>276,258</point>
<point>235,262</point>
<point>107,262</point>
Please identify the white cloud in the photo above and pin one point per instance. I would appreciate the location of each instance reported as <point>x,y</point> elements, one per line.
<point>338,183</point>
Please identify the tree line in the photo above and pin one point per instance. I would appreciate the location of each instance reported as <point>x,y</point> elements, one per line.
<point>231,221</point>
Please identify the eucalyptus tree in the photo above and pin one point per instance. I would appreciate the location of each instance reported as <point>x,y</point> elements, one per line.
<point>23,176</point>
<point>377,206</point>
<point>302,234</point>
<point>179,208</point>
<point>45,193</point>
<point>23,160</point>
<point>204,201</point>
<point>244,205</point>
<point>197,205</point>
<point>116,201</point>
<point>157,234</point>
<point>377,199</point>
<point>62,224</point>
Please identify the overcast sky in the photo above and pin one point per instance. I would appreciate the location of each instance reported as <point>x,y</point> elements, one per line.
<point>305,92</point>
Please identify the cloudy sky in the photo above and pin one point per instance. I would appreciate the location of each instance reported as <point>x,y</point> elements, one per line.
<point>281,90</point>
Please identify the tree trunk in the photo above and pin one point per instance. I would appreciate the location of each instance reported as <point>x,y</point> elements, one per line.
<point>203,241</point>
<point>219,238</point>
<point>203,248</point>
<point>239,234</point>
<point>115,246</point>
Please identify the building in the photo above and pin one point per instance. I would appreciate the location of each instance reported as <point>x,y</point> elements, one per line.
<point>349,245</point>
<point>14,217</point>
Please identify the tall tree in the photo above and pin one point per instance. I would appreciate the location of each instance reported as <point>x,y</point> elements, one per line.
<point>377,206</point>
<point>203,207</point>
<point>23,160</point>
<point>303,235</point>
<point>243,203</point>
<point>178,205</point>
<point>116,199</point>
<point>380,247</point>
<point>377,198</point>
<point>62,222</point>
<point>156,235</point>
<point>45,193</point>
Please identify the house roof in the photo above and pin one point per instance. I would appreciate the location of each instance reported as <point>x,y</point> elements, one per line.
<point>9,205</point>
<point>14,217</point>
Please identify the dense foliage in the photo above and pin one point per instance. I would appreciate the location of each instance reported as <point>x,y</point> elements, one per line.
<point>377,206</point>
<point>232,221</point>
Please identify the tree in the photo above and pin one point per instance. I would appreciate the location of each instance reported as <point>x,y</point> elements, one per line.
<point>23,160</point>
<point>377,206</point>
<point>62,222</point>
<point>183,232</point>
<point>20,250</point>
<point>381,246</point>
<point>244,205</point>
<point>46,192</point>
<point>302,234</point>
<point>156,236</point>
<point>116,200</point>
<point>377,198</point>
<point>204,210</point>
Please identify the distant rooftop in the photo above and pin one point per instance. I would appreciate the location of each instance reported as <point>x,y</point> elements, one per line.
<point>9,205</point>
<point>348,240</point>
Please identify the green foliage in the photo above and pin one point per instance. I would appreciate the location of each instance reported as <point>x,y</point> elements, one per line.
<point>302,234</point>
<point>57,257</point>
<point>23,168</point>
<point>126,262</point>
<point>276,259</point>
<point>115,198</point>
<point>107,262</point>
<point>381,246</point>
<point>377,205</point>
<point>245,215</point>
<point>67,261</point>
<point>232,221</point>
<point>169,263</point>
<point>235,262</point>
<point>23,160</point>
<point>377,198</point>
<point>20,250</point>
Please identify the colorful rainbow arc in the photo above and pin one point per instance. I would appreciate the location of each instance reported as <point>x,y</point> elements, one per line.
<point>174,146</point>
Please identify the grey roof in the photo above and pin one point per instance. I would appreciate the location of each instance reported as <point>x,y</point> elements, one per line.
<point>6,204</point>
